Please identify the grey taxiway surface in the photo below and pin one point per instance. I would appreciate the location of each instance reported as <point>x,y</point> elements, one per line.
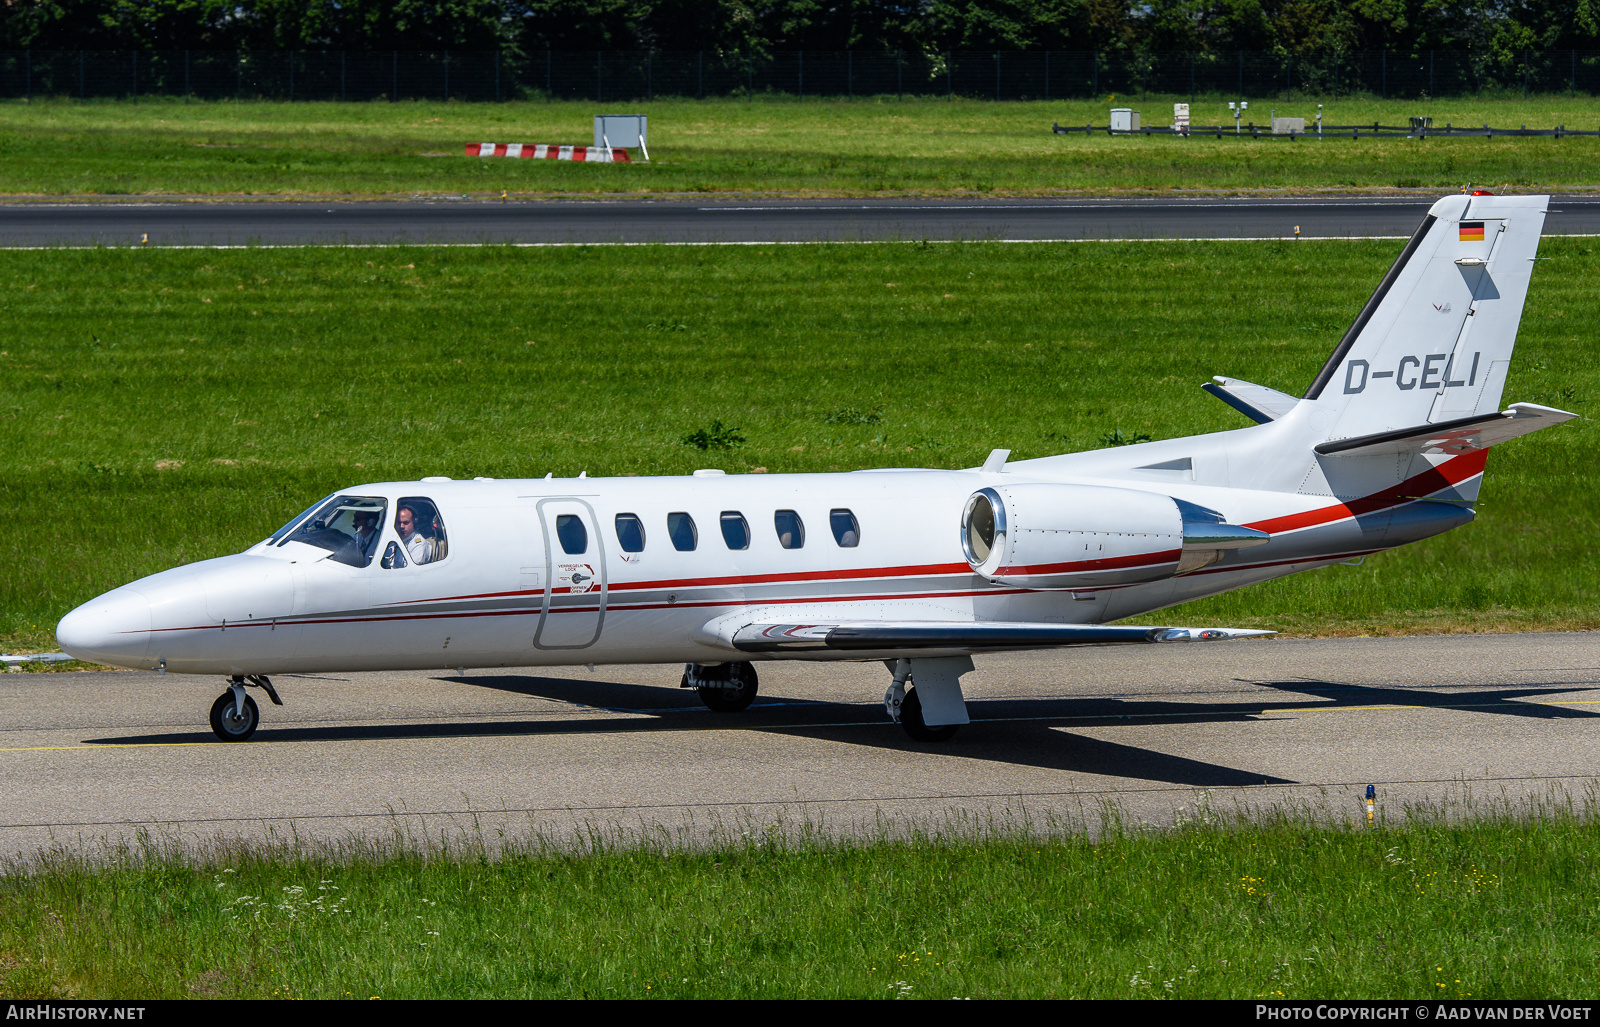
<point>557,222</point>
<point>88,758</point>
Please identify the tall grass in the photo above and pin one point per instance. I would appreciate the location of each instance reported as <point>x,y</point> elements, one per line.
<point>875,146</point>
<point>1478,901</point>
<point>158,407</point>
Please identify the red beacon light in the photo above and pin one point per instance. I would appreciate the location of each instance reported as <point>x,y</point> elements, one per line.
<point>1483,192</point>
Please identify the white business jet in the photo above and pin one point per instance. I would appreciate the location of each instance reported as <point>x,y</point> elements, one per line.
<point>920,569</point>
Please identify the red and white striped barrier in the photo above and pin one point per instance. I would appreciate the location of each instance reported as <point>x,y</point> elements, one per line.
<point>588,154</point>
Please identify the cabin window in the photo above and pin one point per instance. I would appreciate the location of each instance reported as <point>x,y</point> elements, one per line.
<point>421,530</point>
<point>630,533</point>
<point>735,530</point>
<point>846,531</point>
<point>791,532</point>
<point>574,537</point>
<point>346,526</point>
<point>681,530</point>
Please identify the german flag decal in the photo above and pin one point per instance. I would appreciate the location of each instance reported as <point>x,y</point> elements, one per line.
<point>1472,231</point>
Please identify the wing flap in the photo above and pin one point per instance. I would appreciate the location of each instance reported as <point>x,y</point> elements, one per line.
<point>965,636</point>
<point>1462,435</point>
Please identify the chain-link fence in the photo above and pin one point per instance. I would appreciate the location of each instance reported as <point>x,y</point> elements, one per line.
<point>613,76</point>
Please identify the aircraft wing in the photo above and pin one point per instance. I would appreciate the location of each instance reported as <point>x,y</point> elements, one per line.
<point>1462,435</point>
<point>964,636</point>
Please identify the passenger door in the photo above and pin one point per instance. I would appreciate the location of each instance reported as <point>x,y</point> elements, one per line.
<point>575,586</point>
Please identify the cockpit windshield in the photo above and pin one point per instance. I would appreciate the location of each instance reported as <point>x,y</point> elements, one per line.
<point>346,526</point>
<point>277,536</point>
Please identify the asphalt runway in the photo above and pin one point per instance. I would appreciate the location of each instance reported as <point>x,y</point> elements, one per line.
<point>557,222</point>
<point>94,759</point>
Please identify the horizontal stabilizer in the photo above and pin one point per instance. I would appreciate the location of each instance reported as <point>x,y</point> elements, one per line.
<point>1256,402</point>
<point>1003,636</point>
<point>1462,435</point>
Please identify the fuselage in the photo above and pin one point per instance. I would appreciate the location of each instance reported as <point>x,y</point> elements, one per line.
<point>660,570</point>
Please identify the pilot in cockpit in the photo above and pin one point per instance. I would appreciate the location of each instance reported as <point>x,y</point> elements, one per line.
<point>418,546</point>
<point>365,523</point>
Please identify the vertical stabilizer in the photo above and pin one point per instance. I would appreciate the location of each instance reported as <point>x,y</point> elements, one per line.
<point>1434,341</point>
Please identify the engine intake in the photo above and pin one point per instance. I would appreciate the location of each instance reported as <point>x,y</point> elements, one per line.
<point>1086,536</point>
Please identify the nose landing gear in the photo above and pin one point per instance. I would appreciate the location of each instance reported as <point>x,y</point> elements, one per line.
<point>234,716</point>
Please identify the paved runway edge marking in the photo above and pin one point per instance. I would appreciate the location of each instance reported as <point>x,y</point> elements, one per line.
<point>747,803</point>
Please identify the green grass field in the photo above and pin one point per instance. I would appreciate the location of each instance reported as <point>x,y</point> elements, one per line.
<point>876,146</point>
<point>161,406</point>
<point>1279,905</point>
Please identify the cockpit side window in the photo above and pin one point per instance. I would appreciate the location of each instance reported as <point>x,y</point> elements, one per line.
<point>573,535</point>
<point>630,533</point>
<point>346,526</point>
<point>791,531</point>
<point>421,530</point>
<point>681,529</point>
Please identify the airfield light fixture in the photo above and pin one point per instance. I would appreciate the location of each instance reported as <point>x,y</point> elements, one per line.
<point>1319,122</point>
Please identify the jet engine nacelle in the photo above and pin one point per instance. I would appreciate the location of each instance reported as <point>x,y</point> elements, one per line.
<point>1087,536</point>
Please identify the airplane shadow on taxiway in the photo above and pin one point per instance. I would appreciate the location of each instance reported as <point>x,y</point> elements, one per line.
<point>1034,732</point>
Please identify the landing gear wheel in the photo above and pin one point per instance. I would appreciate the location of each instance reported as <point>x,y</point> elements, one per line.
<point>911,720</point>
<point>227,725</point>
<point>730,700</point>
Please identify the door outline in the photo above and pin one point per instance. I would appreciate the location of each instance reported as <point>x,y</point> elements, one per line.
<point>550,568</point>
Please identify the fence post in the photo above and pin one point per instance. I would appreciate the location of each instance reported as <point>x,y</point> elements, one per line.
<point>1094,63</point>
<point>649,75</point>
<point>29,93</point>
<point>1241,74</point>
<point>599,85</point>
<point>80,74</point>
<point>497,76</point>
<point>750,74</point>
<point>700,74</point>
<point>1288,79</point>
<point>801,71</point>
<point>549,91</point>
<point>238,76</point>
<point>997,74</point>
<point>136,78</point>
<point>341,76</point>
<point>394,95</point>
<point>1047,75</point>
<point>899,74</point>
<point>1524,75</point>
<point>447,76</point>
<point>850,74</point>
<point>1384,65</point>
<point>1191,76</point>
<point>949,83</point>
<point>291,76</point>
<point>186,76</point>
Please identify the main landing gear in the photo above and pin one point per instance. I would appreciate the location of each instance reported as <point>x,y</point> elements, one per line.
<point>723,687</point>
<point>925,697</point>
<point>234,716</point>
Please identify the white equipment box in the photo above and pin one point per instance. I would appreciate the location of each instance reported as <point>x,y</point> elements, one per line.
<point>1124,119</point>
<point>1180,117</point>
<point>1288,126</point>
<point>623,130</point>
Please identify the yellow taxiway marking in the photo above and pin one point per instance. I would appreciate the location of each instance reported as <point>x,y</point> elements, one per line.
<point>874,723</point>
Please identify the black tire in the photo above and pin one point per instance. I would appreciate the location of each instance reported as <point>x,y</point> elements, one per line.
<point>229,728</point>
<point>911,720</point>
<point>727,700</point>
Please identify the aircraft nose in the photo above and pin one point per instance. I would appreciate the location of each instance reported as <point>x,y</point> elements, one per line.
<point>113,629</point>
